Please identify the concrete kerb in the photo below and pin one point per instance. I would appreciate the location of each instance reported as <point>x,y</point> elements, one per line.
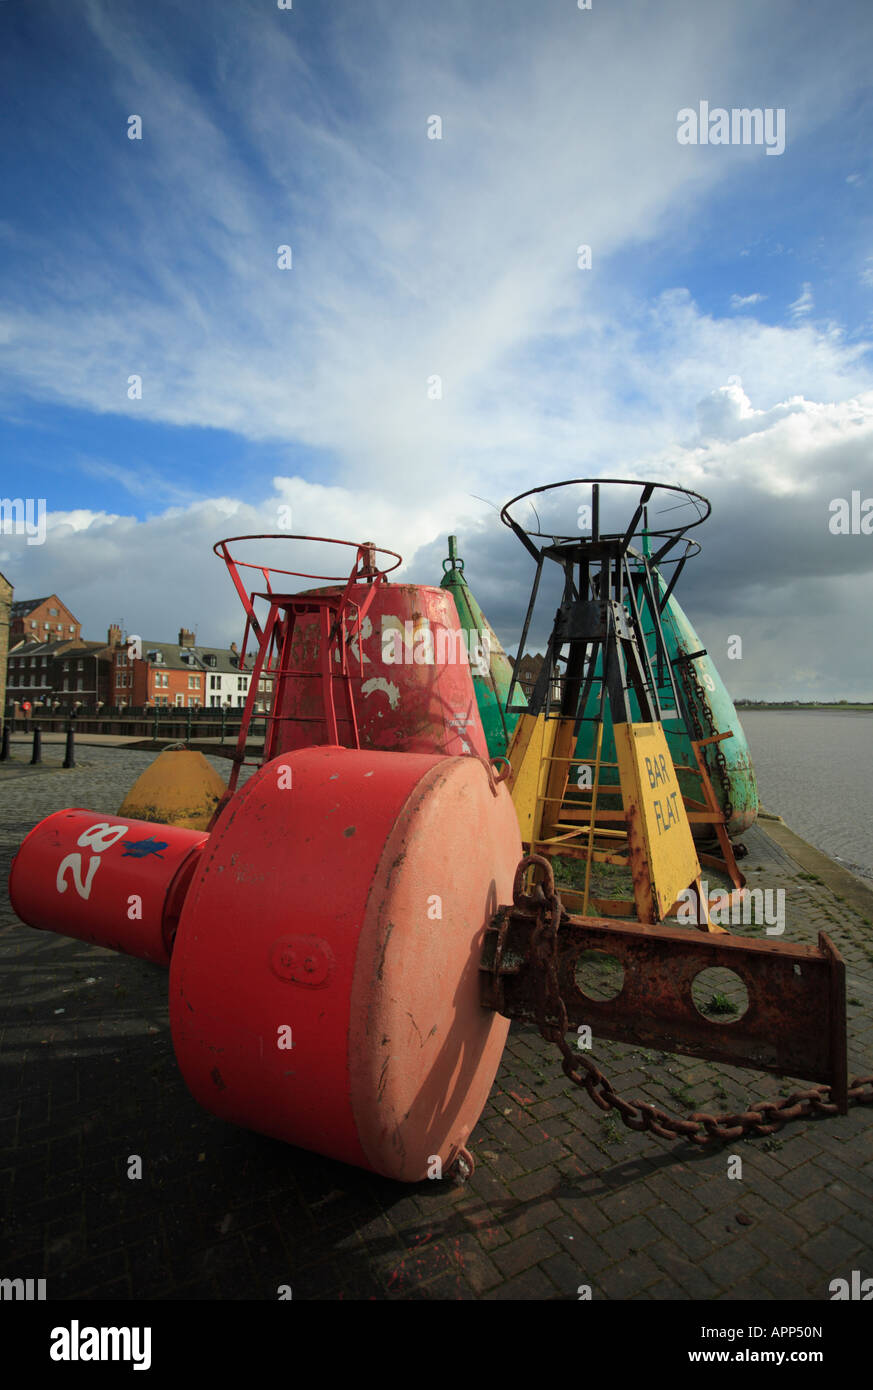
<point>841,882</point>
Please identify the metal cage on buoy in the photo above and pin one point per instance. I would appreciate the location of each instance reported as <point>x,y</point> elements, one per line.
<point>363,664</point>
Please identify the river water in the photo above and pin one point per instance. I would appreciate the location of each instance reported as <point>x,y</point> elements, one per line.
<point>815,770</point>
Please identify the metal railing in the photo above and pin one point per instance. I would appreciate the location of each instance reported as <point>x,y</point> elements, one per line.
<point>155,722</point>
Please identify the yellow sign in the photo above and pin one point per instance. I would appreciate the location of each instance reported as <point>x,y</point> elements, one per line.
<point>659,837</point>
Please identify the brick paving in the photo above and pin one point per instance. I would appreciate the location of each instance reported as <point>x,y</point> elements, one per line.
<point>562,1196</point>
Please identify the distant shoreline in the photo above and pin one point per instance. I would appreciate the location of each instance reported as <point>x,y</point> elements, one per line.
<point>795,705</point>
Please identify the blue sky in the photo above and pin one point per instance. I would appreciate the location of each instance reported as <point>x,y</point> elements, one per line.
<point>721,338</point>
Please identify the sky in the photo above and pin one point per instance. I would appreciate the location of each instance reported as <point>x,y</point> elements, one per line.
<point>431,341</point>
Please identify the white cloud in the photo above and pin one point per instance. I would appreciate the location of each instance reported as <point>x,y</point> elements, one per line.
<point>411,257</point>
<point>770,568</point>
<point>414,257</point>
<point>727,413</point>
<point>803,304</point>
<point>161,573</point>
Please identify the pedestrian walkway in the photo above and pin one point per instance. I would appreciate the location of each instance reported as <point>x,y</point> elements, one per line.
<point>25,740</point>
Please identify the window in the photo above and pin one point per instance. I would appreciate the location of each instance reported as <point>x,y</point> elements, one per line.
<point>33,623</point>
<point>240,699</point>
<point>193,701</point>
<point>69,629</point>
<point>214,701</point>
<point>180,700</point>
<point>79,683</point>
<point>215,682</point>
<point>53,612</point>
<point>241,682</point>
<point>193,682</point>
<point>121,659</point>
<point>80,665</point>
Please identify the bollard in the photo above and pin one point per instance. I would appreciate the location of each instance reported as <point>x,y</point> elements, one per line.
<point>4,747</point>
<point>37,747</point>
<point>69,758</point>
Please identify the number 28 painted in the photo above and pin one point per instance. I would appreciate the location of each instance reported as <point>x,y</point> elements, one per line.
<point>98,837</point>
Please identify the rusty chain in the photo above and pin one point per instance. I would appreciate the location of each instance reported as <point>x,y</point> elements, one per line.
<point>695,700</point>
<point>762,1118</point>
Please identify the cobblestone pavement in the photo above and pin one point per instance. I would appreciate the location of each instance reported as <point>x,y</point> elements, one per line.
<point>561,1195</point>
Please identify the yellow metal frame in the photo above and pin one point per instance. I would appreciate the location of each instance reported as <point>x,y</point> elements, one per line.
<point>662,864</point>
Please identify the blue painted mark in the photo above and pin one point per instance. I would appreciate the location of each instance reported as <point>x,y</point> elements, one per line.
<point>138,849</point>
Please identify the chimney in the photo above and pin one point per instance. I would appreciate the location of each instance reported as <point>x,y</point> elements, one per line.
<point>233,648</point>
<point>186,638</point>
<point>113,636</point>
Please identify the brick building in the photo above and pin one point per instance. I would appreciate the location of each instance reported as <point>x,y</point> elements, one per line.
<point>42,620</point>
<point>83,673</point>
<point>51,666</point>
<point>30,675</point>
<point>179,674</point>
<point>528,669</point>
<point>60,675</point>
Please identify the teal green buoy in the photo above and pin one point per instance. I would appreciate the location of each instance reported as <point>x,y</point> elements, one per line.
<point>493,672</point>
<point>711,711</point>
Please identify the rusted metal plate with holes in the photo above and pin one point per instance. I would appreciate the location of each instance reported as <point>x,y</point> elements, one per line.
<point>794,1024</point>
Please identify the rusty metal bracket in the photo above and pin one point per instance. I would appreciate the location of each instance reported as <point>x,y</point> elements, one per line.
<point>795,1023</point>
